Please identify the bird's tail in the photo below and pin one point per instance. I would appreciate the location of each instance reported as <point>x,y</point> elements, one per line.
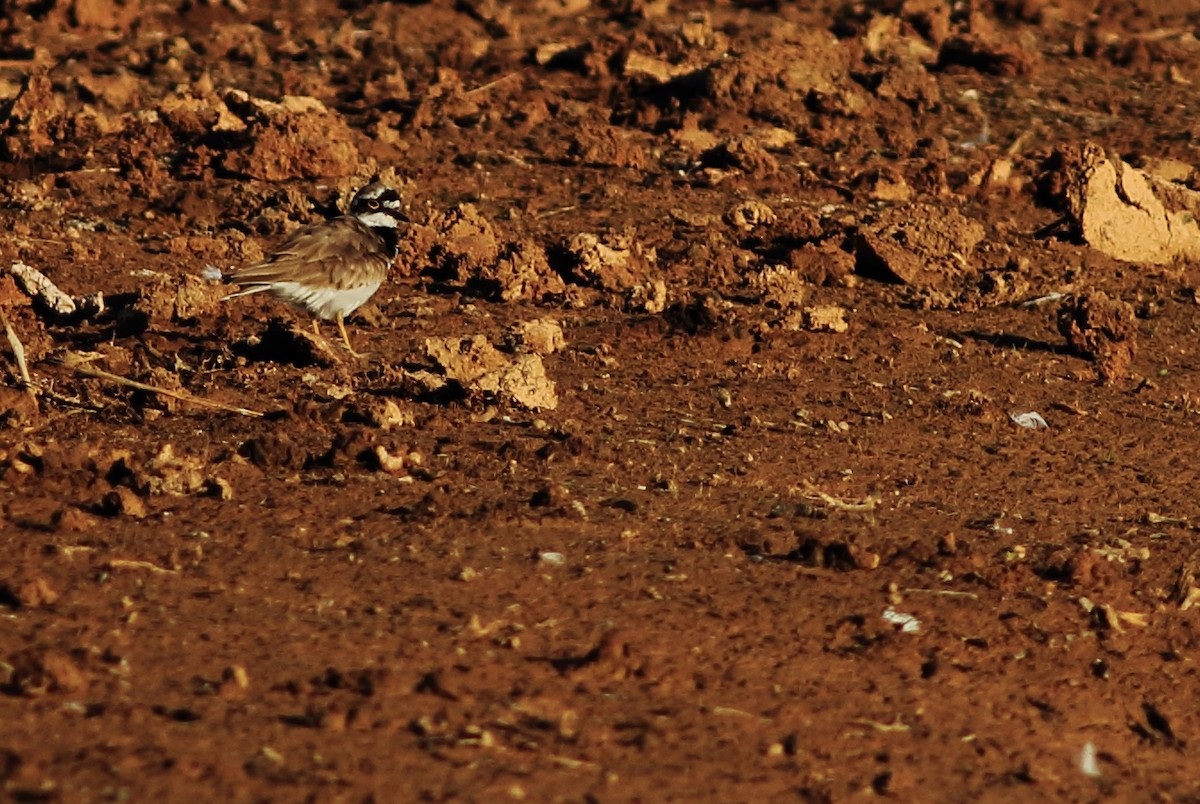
<point>212,273</point>
<point>246,291</point>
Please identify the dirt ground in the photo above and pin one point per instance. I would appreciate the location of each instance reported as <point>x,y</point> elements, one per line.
<point>770,401</point>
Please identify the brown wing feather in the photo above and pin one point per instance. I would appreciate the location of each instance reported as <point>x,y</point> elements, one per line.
<point>340,253</point>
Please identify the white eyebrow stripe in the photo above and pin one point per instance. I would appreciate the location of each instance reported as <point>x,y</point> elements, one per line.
<point>387,218</point>
<point>374,192</point>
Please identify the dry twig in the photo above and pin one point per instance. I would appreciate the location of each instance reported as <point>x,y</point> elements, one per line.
<point>491,84</point>
<point>18,350</point>
<point>125,563</point>
<point>867,504</point>
<point>551,212</point>
<point>79,365</point>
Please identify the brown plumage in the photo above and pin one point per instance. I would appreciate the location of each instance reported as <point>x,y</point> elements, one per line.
<point>332,268</point>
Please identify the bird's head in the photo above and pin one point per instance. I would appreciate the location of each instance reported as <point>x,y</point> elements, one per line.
<point>377,206</point>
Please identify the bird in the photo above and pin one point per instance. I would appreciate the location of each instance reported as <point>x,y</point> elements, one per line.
<point>332,268</point>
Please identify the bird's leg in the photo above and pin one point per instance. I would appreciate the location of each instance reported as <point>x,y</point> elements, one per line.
<point>341,325</point>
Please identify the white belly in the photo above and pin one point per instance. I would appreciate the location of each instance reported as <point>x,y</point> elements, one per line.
<point>325,303</point>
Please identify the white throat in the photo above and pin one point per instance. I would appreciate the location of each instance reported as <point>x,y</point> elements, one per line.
<point>379,219</point>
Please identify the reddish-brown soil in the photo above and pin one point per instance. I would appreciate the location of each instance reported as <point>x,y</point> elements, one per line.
<point>692,387</point>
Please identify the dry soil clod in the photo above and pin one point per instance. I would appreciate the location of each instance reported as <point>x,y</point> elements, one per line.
<point>918,244</point>
<point>1102,329</point>
<point>479,367</point>
<point>542,336</point>
<point>1125,213</point>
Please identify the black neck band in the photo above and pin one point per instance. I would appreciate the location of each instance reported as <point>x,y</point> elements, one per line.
<point>389,236</point>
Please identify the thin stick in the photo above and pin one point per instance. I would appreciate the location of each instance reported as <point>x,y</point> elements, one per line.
<point>67,401</point>
<point>490,84</point>
<point>896,725</point>
<point>813,493</point>
<point>19,353</point>
<point>125,563</point>
<point>945,592</point>
<point>87,371</point>
<point>1050,228</point>
<point>551,212</point>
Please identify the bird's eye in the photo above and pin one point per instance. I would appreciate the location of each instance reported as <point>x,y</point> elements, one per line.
<point>372,204</point>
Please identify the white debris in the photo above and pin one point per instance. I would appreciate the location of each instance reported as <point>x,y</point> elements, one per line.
<point>1040,300</point>
<point>970,99</point>
<point>39,286</point>
<point>978,140</point>
<point>1030,421</point>
<point>1087,761</point>
<point>556,559</point>
<point>211,273</point>
<point>905,623</point>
